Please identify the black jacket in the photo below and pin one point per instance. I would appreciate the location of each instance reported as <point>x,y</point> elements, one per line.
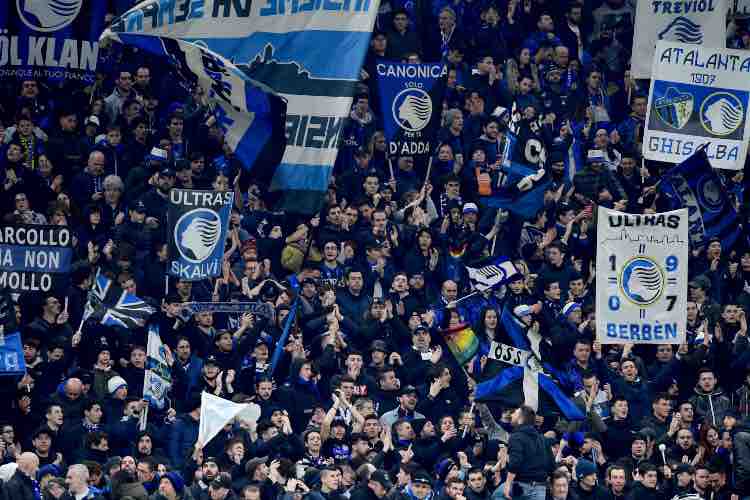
<point>19,487</point>
<point>529,458</point>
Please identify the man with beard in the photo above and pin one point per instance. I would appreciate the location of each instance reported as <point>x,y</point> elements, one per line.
<point>209,471</point>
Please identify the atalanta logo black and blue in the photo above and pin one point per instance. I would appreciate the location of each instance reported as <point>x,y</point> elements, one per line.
<point>722,113</point>
<point>196,234</point>
<point>642,281</point>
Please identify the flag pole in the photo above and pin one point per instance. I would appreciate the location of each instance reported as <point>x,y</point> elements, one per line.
<point>467,296</point>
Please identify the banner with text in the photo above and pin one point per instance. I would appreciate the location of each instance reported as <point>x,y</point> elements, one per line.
<point>698,96</point>
<point>198,224</point>
<point>411,98</point>
<point>50,39</point>
<point>309,52</point>
<point>641,277</point>
<point>35,258</point>
<point>699,22</point>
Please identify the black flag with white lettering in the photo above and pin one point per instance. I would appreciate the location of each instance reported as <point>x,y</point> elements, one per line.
<point>198,224</point>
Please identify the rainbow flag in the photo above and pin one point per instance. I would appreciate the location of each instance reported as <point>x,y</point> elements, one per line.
<point>462,342</point>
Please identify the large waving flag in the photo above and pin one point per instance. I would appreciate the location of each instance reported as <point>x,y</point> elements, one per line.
<point>528,384</point>
<point>250,115</point>
<point>113,306</point>
<point>693,184</point>
<point>522,192</point>
<point>309,52</point>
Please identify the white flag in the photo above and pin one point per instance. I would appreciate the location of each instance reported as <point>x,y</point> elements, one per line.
<point>641,277</point>
<point>216,412</point>
<point>698,22</point>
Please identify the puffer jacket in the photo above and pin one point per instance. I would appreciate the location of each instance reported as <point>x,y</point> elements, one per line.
<point>712,406</point>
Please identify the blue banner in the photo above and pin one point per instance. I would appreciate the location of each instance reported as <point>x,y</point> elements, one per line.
<point>198,224</point>
<point>411,98</point>
<point>694,185</point>
<point>11,356</point>
<point>50,39</point>
<point>309,52</point>
<point>35,258</point>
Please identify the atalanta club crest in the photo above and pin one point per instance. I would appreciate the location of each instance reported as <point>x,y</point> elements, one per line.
<point>674,108</point>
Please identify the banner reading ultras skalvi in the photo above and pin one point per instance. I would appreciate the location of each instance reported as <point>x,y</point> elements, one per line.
<point>198,224</point>
<point>641,277</point>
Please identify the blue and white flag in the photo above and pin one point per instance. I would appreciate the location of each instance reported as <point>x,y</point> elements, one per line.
<point>112,306</point>
<point>492,274</point>
<point>198,224</point>
<point>522,193</point>
<point>696,22</point>
<point>250,115</point>
<point>699,96</point>
<point>694,185</point>
<point>411,98</point>
<point>157,379</point>
<point>50,39</point>
<point>309,52</point>
<point>526,383</point>
<point>12,363</point>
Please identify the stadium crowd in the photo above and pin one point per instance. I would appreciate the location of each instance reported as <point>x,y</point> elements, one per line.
<point>366,402</point>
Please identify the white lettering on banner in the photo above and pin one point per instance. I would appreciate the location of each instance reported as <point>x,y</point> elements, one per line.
<point>47,52</point>
<point>699,22</point>
<point>32,236</point>
<point>690,109</point>
<point>641,277</point>
<point>19,281</point>
<point>412,70</point>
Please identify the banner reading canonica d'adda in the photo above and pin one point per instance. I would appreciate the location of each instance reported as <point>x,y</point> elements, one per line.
<point>35,258</point>
<point>50,39</point>
<point>198,224</point>
<point>411,97</point>
<point>641,277</point>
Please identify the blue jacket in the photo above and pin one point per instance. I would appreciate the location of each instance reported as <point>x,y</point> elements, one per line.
<point>182,437</point>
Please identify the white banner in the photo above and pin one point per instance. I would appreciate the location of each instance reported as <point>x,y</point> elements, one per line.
<point>698,96</point>
<point>700,22</point>
<point>641,277</point>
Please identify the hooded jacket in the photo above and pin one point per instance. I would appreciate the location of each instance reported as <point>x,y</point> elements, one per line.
<point>713,405</point>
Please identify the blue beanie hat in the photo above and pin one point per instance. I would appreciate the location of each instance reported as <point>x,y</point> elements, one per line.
<point>177,482</point>
<point>585,468</point>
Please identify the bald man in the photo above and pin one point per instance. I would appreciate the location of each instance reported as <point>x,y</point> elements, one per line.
<point>23,483</point>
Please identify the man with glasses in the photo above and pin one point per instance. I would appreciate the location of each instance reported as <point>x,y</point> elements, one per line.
<point>23,213</point>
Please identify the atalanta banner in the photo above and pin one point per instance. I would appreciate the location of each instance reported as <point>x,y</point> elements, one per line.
<point>698,96</point>
<point>35,258</point>
<point>411,97</point>
<point>699,22</point>
<point>198,224</point>
<point>641,277</point>
<point>50,39</point>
